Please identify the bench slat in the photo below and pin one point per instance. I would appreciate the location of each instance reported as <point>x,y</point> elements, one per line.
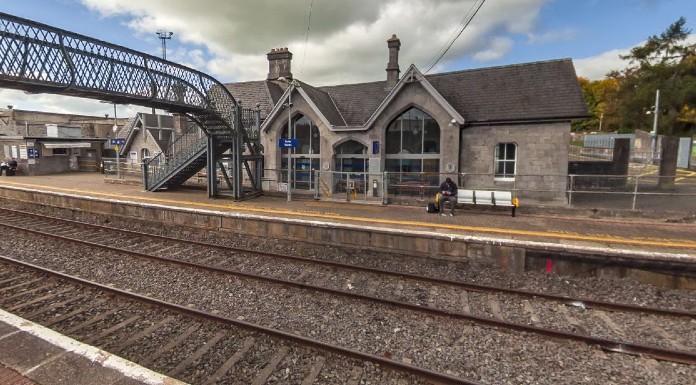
<point>484,197</point>
<point>466,196</point>
<point>502,198</point>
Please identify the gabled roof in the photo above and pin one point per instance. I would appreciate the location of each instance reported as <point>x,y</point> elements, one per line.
<point>546,90</point>
<point>139,124</point>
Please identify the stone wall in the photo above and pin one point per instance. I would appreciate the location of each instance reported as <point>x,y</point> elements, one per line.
<point>541,161</point>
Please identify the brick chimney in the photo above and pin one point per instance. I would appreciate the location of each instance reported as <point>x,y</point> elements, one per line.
<point>279,63</point>
<point>393,66</point>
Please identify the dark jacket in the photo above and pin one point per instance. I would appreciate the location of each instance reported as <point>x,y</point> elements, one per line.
<point>449,187</point>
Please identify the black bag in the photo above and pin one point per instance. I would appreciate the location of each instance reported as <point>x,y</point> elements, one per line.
<point>432,208</point>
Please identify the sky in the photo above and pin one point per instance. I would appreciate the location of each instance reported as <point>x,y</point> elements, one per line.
<point>339,41</point>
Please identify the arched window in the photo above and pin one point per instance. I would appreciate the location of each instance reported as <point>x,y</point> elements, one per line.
<point>351,156</point>
<point>413,143</point>
<point>144,154</point>
<point>305,157</point>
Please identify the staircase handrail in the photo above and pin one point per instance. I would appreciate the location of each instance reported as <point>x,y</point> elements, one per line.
<point>178,152</point>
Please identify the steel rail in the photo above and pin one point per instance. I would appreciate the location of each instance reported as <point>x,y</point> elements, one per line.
<point>612,345</point>
<point>570,301</point>
<point>436,377</point>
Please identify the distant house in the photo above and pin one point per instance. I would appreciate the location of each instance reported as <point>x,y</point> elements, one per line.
<point>499,127</point>
<point>150,134</point>
<point>48,143</point>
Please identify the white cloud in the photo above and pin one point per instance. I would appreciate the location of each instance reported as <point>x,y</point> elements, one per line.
<point>596,67</point>
<point>497,49</point>
<point>64,104</point>
<point>347,40</point>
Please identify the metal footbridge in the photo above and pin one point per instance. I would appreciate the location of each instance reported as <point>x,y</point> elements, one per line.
<point>38,58</point>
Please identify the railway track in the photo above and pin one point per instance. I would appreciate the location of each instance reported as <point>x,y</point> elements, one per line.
<point>449,300</point>
<point>186,343</point>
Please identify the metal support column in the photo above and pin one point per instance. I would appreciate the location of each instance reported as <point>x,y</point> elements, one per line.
<point>211,167</point>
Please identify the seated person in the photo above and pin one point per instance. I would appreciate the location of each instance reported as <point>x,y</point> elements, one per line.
<point>448,193</point>
<point>11,167</point>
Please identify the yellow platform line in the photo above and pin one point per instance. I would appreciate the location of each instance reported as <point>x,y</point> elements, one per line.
<point>677,243</point>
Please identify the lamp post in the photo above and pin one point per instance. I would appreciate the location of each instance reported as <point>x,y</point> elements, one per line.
<point>292,84</point>
<point>115,130</point>
<point>118,150</point>
<point>653,133</point>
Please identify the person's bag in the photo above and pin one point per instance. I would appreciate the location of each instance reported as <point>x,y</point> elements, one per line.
<point>432,208</point>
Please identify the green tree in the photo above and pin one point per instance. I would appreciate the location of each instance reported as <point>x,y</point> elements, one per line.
<point>664,62</point>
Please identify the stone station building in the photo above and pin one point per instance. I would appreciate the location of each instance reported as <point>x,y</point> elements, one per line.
<point>489,125</point>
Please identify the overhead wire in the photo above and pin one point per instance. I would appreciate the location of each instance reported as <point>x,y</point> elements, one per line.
<point>448,44</point>
<point>309,24</point>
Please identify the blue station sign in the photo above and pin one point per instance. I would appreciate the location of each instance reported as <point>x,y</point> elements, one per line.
<point>118,141</point>
<point>287,143</point>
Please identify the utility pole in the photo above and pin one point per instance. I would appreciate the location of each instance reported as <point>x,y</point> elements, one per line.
<point>164,36</point>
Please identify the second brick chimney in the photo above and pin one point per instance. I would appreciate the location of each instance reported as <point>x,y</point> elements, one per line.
<point>279,63</point>
<point>393,66</point>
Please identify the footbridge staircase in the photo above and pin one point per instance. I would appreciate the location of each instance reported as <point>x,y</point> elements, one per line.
<point>38,58</point>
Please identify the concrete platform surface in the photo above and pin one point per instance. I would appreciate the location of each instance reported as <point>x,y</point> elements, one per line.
<point>630,236</point>
<point>33,354</point>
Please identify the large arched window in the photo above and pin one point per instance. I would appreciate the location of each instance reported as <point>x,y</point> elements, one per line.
<point>305,157</point>
<point>413,143</point>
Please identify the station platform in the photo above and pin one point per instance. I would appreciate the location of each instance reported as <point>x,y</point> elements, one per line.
<point>36,357</point>
<point>572,229</point>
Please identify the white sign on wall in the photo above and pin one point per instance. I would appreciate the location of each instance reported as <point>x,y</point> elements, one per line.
<point>374,166</point>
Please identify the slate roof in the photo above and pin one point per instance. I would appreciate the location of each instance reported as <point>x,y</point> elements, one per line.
<point>254,92</point>
<point>357,102</point>
<point>532,91</point>
<point>325,103</point>
<point>546,90</point>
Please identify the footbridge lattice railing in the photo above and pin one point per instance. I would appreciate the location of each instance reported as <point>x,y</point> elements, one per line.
<point>38,58</point>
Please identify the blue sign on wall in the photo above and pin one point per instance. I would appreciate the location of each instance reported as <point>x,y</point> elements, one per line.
<point>118,141</point>
<point>375,146</point>
<point>32,152</point>
<point>285,143</point>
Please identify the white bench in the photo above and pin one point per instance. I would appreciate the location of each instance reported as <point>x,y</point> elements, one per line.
<point>488,198</point>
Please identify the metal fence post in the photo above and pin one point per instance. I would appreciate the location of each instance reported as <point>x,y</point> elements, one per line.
<point>145,170</point>
<point>384,187</point>
<point>315,174</point>
<point>635,191</point>
<point>570,190</point>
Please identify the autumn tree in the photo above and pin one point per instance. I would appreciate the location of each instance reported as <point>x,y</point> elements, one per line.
<point>600,97</point>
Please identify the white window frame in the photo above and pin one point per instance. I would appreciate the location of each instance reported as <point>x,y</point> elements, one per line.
<point>497,160</point>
